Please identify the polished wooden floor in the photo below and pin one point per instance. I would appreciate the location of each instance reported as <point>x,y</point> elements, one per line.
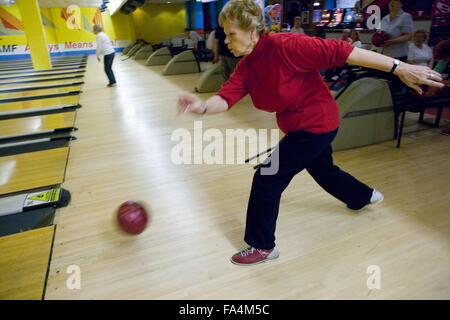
<point>26,86</point>
<point>32,170</point>
<point>29,93</point>
<point>40,76</point>
<point>39,103</point>
<point>36,124</point>
<point>123,152</point>
<point>24,262</point>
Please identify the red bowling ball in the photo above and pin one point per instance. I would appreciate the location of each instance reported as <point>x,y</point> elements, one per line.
<point>132,217</point>
<point>379,38</point>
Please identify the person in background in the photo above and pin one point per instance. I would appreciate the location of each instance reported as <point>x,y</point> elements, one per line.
<point>194,36</point>
<point>356,41</point>
<point>211,40</point>
<point>297,26</point>
<point>334,73</point>
<point>222,54</point>
<point>419,53</point>
<point>346,36</point>
<point>399,25</point>
<point>105,48</point>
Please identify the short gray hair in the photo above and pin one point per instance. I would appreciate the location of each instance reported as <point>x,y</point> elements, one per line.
<point>245,14</point>
<point>97,27</point>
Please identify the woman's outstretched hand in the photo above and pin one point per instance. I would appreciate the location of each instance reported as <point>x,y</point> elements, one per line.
<point>414,76</point>
<point>188,102</point>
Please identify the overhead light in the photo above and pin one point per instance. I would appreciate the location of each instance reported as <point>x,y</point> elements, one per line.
<point>103,7</point>
<point>316,4</point>
<point>105,1</point>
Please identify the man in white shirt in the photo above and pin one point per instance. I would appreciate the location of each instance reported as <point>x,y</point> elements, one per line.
<point>105,48</point>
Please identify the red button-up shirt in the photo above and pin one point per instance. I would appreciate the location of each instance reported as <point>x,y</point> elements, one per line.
<point>282,75</point>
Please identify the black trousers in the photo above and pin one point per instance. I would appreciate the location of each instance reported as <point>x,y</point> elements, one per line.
<point>108,60</point>
<point>297,151</point>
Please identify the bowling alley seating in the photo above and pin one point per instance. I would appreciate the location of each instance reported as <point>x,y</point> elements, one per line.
<point>177,46</point>
<point>128,48</point>
<point>144,52</point>
<point>409,101</point>
<point>159,57</point>
<point>180,36</point>
<point>211,80</point>
<point>203,53</point>
<point>135,49</point>
<point>168,48</point>
<point>366,111</point>
<point>188,60</point>
<point>184,62</point>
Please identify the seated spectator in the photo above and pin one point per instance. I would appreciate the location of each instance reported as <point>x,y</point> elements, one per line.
<point>297,26</point>
<point>356,41</point>
<point>420,53</point>
<point>346,36</point>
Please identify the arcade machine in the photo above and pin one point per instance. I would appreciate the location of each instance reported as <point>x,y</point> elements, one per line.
<point>317,14</point>
<point>358,23</point>
<point>324,19</point>
<point>336,18</point>
<point>349,19</point>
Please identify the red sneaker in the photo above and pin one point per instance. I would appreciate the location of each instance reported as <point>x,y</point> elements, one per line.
<point>252,256</point>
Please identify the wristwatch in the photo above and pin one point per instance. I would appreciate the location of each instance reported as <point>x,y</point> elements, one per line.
<point>396,63</point>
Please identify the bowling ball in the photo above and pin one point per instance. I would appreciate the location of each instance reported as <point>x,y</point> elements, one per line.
<point>132,217</point>
<point>379,38</point>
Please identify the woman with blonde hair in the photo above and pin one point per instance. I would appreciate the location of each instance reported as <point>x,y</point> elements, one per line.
<point>419,53</point>
<point>280,71</point>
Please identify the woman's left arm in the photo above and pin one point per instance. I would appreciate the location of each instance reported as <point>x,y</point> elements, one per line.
<point>412,75</point>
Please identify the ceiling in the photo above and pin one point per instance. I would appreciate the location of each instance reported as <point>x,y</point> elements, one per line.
<point>67,3</point>
<point>165,1</point>
<point>89,3</point>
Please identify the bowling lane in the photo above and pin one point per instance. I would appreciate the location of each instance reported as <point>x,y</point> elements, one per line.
<point>42,91</point>
<point>38,73</point>
<point>38,86</point>
<point>41,81</point>
<point>31,67</point>
<point>32,170</point>
<point>39,103</point>
<point>36,124</point>
<point>44,75</point>
<point>52,61</point>
<point>24,262</point>
<point>4,72</point>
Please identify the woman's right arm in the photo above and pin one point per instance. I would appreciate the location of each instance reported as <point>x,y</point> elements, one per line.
<point>233,90</point>
<point>191,103</point>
